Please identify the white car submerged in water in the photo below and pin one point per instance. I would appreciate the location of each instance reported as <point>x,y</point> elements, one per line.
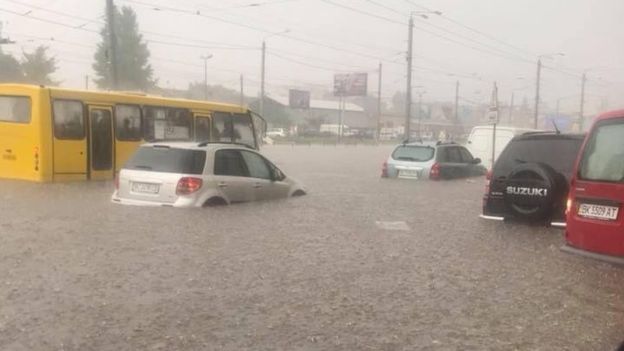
<point>182,174</point>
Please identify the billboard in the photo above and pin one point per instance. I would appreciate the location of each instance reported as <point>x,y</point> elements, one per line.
<point>350,84</point>
<point>299,99</point>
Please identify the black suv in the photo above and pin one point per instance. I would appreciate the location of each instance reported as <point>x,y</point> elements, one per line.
<point>529,181</point>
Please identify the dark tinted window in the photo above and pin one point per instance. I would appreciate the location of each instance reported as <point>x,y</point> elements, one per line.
<point>466,156</point>
<point>453,155</point>
<point>257,166</point>
<point>413,153</point>
<point>230,163</point>
<point>128,122</point>
<point>558,153</point>
<point>168,160</point>
<point>603,157</point>
<point>68,119</point>
<point>15,109</point>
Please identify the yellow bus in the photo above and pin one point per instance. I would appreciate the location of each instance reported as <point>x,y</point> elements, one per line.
<point>50,134</point>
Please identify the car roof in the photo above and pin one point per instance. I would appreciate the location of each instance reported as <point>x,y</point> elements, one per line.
<point>196,145</point>
<point>611,115</point>
<point>549,135</point>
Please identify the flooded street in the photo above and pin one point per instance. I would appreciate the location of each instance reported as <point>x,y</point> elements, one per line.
<point>361,263</point>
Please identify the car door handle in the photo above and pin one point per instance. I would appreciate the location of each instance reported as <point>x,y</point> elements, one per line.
<point>257,185</point>
<point>222,185</point>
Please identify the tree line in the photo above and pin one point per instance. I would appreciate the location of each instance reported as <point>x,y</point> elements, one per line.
<point>133,67</point>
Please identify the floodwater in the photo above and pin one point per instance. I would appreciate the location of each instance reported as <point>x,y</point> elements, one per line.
<point>361,263</point>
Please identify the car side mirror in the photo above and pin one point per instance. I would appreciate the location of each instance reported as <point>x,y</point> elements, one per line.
<point>277,175</point>
<point>476,161</point>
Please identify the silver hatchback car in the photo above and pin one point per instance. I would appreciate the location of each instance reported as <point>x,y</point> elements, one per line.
<point>433,161</point>
<point>194,175</point>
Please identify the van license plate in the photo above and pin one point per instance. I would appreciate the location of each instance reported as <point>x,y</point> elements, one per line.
<point>607,213</point>
<point>145,188</point>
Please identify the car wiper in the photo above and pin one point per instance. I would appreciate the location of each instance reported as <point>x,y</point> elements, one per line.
<point>143,167</point>
<point>519,160</point>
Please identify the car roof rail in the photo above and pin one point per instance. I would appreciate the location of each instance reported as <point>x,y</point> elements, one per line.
<point>440,142</point>
<point>208,142</point>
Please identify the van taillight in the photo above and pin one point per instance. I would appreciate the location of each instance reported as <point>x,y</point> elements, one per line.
<point>188,185</point>
<point>435,172</point>
<point>384,170</point>
<point>568,205</point>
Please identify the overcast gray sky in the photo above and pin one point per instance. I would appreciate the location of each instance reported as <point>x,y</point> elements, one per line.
<point>476,42</point>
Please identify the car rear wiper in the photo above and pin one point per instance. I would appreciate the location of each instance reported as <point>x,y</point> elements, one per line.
<point>405,158</point>
<point>143,167</point>
<point>519,160</point>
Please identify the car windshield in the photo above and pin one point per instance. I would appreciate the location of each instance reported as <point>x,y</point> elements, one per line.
<point>603,157</point>
<point>415,153</point>
<point>559,153</point>
<point>168,160</point>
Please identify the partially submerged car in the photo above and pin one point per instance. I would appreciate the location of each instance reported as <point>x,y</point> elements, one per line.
<point>529,181</point>
<point>435,161</point>
<point>183,174</point>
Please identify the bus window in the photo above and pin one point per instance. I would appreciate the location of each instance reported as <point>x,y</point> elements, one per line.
<point>68,119</point>
<point>178,124</point>
<point>15,109</point>
<point>128,123</point>
<point>222,127</point>
<point>202,128</point>
<point>243,129</point>
<point>167,123</point>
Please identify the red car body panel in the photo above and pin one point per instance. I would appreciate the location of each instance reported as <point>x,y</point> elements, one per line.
<point>595,235</point>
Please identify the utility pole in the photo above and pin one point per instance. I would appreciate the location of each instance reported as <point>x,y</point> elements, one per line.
<point>262,78</point>
<point>511,107</point>
<point>112,40</point>
<point>242,93</point>
<point>378,129</point>
<point>408,92</point>
<point>537,92</point>
<point>457,102</point>
<point>206,58</point>
<point>581,118</point>
<point>419,112</point>
<point>86,82</point>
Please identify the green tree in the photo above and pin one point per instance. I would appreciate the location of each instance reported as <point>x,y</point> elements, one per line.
<point>134,71</point>
<point>37,67</point>
<point>10,70</point>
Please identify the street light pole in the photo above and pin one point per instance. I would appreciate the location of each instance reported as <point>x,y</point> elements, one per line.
<point>511,107</point>
<point>112,42</point>
<point>262,73</point>
<point>457,102</point>
<point>408,97</point>
<point>537,92</point>
<point>378,129</point>
<point>408,91</point>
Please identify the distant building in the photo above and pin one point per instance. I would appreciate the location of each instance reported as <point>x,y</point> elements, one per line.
<point>323,112</point>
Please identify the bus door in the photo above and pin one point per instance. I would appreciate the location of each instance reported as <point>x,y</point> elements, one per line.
<point>101,145</point>
<point>202,127</point>
<point>70,140</point>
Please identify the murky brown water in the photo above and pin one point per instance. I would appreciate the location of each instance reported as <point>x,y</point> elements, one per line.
<point>312,273</point>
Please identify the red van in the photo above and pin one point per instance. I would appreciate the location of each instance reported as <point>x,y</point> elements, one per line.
<point>595,211</point>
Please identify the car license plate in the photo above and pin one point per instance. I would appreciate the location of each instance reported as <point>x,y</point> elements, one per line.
<point>607,213</point>
<point>408,173</point>
<point>145,188</point>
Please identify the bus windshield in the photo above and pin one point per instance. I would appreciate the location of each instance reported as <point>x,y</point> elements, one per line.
<point>603,157</point>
